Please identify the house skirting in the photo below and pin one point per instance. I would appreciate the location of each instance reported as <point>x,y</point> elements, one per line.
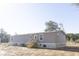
<point>44,45</point>
<point>51,45</point>
<point>47,45</point>
<point>58,45</point>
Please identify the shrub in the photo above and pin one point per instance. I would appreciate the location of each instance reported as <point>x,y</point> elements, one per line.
<point>23,45</point>
<point>77,41</point>
<point>32,44</point>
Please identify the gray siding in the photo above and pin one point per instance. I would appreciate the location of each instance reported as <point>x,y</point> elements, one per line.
<point>61,40</point>
<point>21,38</point>
<point>51,39</point>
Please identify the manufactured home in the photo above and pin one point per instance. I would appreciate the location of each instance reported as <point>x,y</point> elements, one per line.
<point>54,39</point>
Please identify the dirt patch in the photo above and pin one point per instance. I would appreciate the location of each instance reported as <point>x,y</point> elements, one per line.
<point>6,50</point>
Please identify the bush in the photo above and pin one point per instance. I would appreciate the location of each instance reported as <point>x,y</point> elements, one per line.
<point>23,45</point>
<point>32,44</point>
<point>77,41</point>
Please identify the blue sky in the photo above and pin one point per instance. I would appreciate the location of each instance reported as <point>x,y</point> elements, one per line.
<point>29,18</point>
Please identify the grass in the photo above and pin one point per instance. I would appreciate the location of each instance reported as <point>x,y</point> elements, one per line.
<point>72,49</point>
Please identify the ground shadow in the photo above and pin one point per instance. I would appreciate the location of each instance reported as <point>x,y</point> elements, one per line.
<point>69,48</point>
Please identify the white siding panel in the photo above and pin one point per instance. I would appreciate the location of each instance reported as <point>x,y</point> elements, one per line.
<point>48,45</point>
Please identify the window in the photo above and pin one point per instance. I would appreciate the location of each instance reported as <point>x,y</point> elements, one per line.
<point>40,37</point>
<point>35,36</point>
<point>44,45</point>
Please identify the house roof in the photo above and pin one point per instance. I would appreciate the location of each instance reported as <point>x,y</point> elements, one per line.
<point>41,33</point>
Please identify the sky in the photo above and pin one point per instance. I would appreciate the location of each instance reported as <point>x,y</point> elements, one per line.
<point>22,18</point>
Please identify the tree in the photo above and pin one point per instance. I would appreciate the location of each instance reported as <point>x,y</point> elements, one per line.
<point>4,36</point>
<point>51,26</point>
<point>76,4</point>
<point>61,27</point>
<point>72,36</point>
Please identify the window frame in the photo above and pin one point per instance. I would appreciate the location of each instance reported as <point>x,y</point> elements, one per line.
<point>41,36</point>
<point>35,36</point>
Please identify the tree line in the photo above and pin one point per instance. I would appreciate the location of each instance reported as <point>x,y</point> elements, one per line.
<point>72,37</point>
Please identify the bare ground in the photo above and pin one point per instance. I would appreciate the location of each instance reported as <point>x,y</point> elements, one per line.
<point>71,49</point>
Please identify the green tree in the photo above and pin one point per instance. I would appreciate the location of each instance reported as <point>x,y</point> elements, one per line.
<point>4,36</point>
<point>51,26</point>
<point>72,36</point>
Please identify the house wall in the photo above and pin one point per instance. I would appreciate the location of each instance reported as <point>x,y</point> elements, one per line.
<point>53,40</point>
<point>48,45</point>
<point>61,40</point>
<point>21,39</point>
<point>49,39</point>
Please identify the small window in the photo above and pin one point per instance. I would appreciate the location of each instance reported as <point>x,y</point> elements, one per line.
<point>44,45</point>
<point>40,37</point>
<point>35,36</point>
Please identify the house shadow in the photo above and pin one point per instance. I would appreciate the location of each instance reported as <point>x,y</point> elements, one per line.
<point>68,48</point>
